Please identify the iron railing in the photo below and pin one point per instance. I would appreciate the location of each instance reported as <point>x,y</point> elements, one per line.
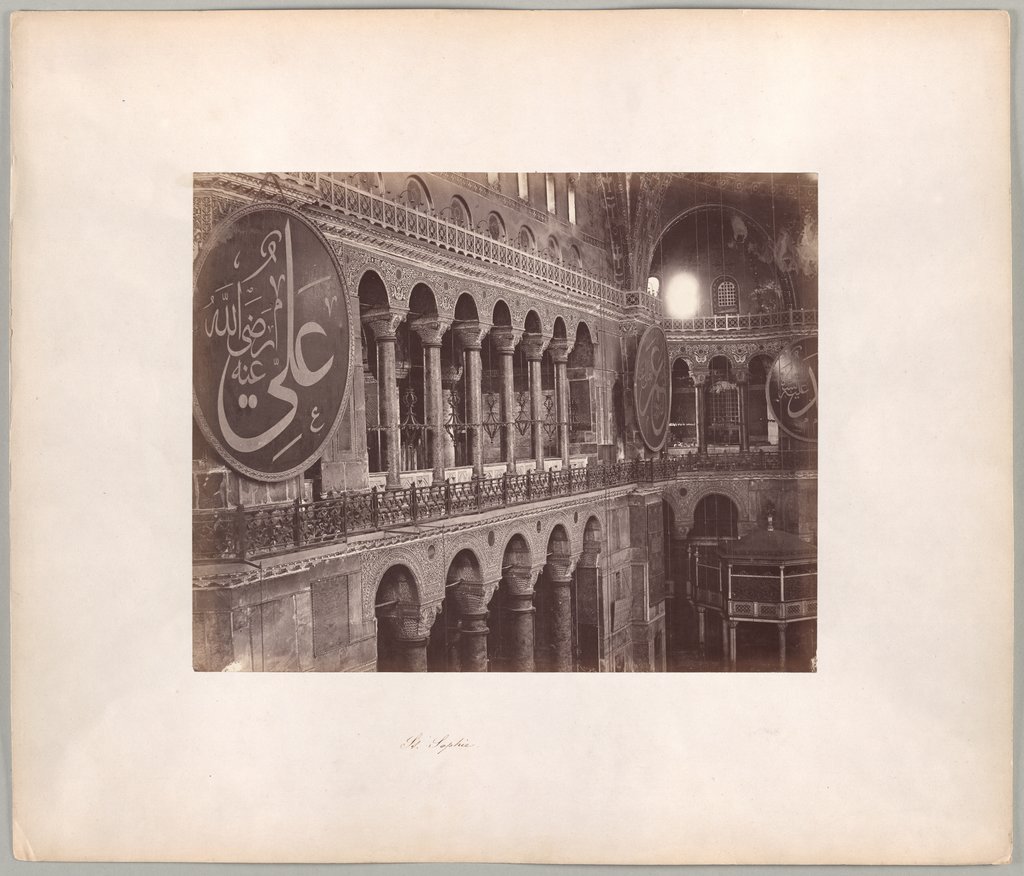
<point>266,530</point>
<point>801,320</point>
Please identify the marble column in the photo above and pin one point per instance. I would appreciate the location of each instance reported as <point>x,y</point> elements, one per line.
<point>533,348</point>
<point>473,641</point>
<point>699,382</point>
<point>430,332</point>
<point>450,376</point>
<point>782,647</point>
<point>411,655</point>
<point>505,340</point>
<point>519,627</point>
<point>470,334</point>
<point>741,387</point>
<point>560,354</point>
<point>559,581</point>
<point>732,645</point>
<point>384,325</point>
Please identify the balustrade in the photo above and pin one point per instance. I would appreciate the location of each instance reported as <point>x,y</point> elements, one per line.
<point>265,530</point>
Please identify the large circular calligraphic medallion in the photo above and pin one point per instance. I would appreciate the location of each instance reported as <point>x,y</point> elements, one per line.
<point>652,388</point>
<point>792,389</point>
<point>271,345</point>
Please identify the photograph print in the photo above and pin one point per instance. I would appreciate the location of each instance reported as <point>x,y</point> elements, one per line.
<point>505,422</point>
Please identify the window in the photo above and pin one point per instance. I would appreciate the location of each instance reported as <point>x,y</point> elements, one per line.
<point>575,259</point>
<point>416,193</point>
<point>460,212</point>
<point>524,186</point>
<point>492,181</point>
<point>653,285</point>
<point>572,199</point>
<point>526,240</point>
<point>554,251</point>
<point>549,181</point>
<point>726,295</point>
<point>495,227</point>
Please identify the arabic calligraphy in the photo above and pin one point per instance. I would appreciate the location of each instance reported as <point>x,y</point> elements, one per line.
<point>651,387</point>
<point>271,344</point>
<point>792,389</point>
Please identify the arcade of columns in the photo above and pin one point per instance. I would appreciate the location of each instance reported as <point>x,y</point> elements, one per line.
<point>470,335</point>
<point>510,602</point>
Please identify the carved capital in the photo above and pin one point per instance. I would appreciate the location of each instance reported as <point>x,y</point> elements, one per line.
<point>505,339</point>
<point>533,346</point>
<point>425,619</point>
<point>700,377</point>
<point>383,323</point>
<point>430,329</point>
<point>518,583</point>
<point>559,348</point>
<point>470,334</point>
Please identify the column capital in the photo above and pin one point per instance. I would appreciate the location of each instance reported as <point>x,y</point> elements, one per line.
<point>733,624</point>
<point>470,334</point>
<point>559,348</point>
<point>425,618</point>
<point>505,339</point>
<point>383,323</point>
<point>559,573</point>
<point>430,329</point>
<point>533,346</point>
<point>518,583</point>
<point>700,377</point>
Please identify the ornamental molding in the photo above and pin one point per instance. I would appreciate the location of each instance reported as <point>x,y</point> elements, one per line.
<point>418,262</point>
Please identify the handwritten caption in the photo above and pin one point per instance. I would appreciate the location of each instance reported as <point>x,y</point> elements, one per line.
<point>435,744</point>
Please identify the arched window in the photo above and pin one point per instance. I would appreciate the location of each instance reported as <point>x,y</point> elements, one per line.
<point>554,250</point>
<point>571,198</point>
<point>417,194</point>
<point>460,212</point>
<point>575,259</point>
<point>715,517</point>
<point>495,226</point>
<point>526,240</point>
<point>725,294</point>
<point>653,286</point>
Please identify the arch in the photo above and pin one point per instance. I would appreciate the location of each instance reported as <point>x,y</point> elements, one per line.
<point>654,285</point>
<point>372,291</point>
<point>559,546</point>
<point>558,330</point>
<point>575,257</point>
<point>465,309</point>
<point>582,353</point>
<point>554,251</point>
<point>417,194</point>
<point>460,213</point>
<point>715,516</point>
<point>501,315</point>
<point>517,553</point>
<point>422,301</point>
<point>496,226</point>
<point>593,538</point>
<point>532,323</point>
<point>527,241</point>
<point>786,281</point>
<point>465,568</point>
